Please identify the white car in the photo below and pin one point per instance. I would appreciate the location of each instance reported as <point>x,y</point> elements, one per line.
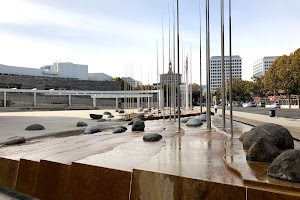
<point>275,105</point>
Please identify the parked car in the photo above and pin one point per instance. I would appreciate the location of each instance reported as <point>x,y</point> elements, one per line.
<point>275,105</point>
<point>261,104</point>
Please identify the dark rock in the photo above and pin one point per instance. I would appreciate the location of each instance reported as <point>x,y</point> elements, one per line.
<point>185,120</point>
<point>152,137</point>
<point>106,113</point>
<point>275,133</point>
<point>95,116</point>
<point>110,116</point>
<point>194,122</point>
<point>140,109</point>
<point>263,151</point>
<point>133,120</point>
<point>286,166</point>
<point>35,127</point>
<point>211,113</point>
<point>117,110</point>
<point>92,130</point>
<point>123,127</point>
<point>121,111</point>
<point>118,130</point>
<point>140,115</point>
<point>15,140</point>
<point>80,124</point>
<point>243,135</point>
<point>138,125</point>
<point>101,120</point>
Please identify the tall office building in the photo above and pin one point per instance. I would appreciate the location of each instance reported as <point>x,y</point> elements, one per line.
<point>215,70</point>
<point>262,65</point>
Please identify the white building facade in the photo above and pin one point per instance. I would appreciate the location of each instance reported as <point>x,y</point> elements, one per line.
<point>262,65</point>
<point>64,70</point>
<point>215,70</point>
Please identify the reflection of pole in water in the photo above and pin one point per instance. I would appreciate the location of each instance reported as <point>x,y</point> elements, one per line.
<point>208,117</point>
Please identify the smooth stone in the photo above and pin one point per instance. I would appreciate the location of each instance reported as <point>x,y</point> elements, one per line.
<point>123,127</point>
<point>118,130</point>
<point>80,124</point>
<point>138,125</point>
<point>117,110</point>
<point>202,117</point>
<point>110,116</point>
<point>121,111</point>
<point>263,151</point>
<point>194,122</point>
<point>95,116</point>
<point>102,120</point>
<point>140,115</point>
<point>275,133</point>
<point>106,113</point>
<point>92,130</point>
<point>133,120</point>
<point>152,137</point>
<point>242,136</point>
<point>286,166</point>
<point>15,140</point>
<point>140,109</point>
<point>185,120</point>
<point>35,127</point>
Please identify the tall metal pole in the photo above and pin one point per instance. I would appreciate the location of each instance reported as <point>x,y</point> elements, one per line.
<point>208,116</point>
<point>191,86</point>
<point>200,60</point>
<point>178,87</point>
<point>174,67</point>
<point>170,67</point>
<point>230,68</point>
<point>157,78</point>
<point>163,59</point>
<point>187,83</point>
<point>222,63</point>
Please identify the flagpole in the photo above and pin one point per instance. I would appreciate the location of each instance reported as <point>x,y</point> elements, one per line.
<point>178,88</point>
<point>222,64</point>
<point>200,60</point>
<point>230,69</point>
<point>208,114</point>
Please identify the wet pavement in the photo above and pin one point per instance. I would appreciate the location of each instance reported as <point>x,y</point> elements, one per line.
<point>189,164</point>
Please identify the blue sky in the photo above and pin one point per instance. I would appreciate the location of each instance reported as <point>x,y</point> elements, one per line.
<point>119,37</point>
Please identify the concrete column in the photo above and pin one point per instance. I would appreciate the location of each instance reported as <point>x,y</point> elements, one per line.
<point>94,102</point>
<point>34,99</point>
<point>138,99</point>
<point>4,102</point>
<point>70,99</point>
<point>117,102</point>
<point>161,99</point>
<point>148,102</point>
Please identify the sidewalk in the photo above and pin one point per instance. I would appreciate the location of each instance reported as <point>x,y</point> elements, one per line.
<point>293,125</point>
